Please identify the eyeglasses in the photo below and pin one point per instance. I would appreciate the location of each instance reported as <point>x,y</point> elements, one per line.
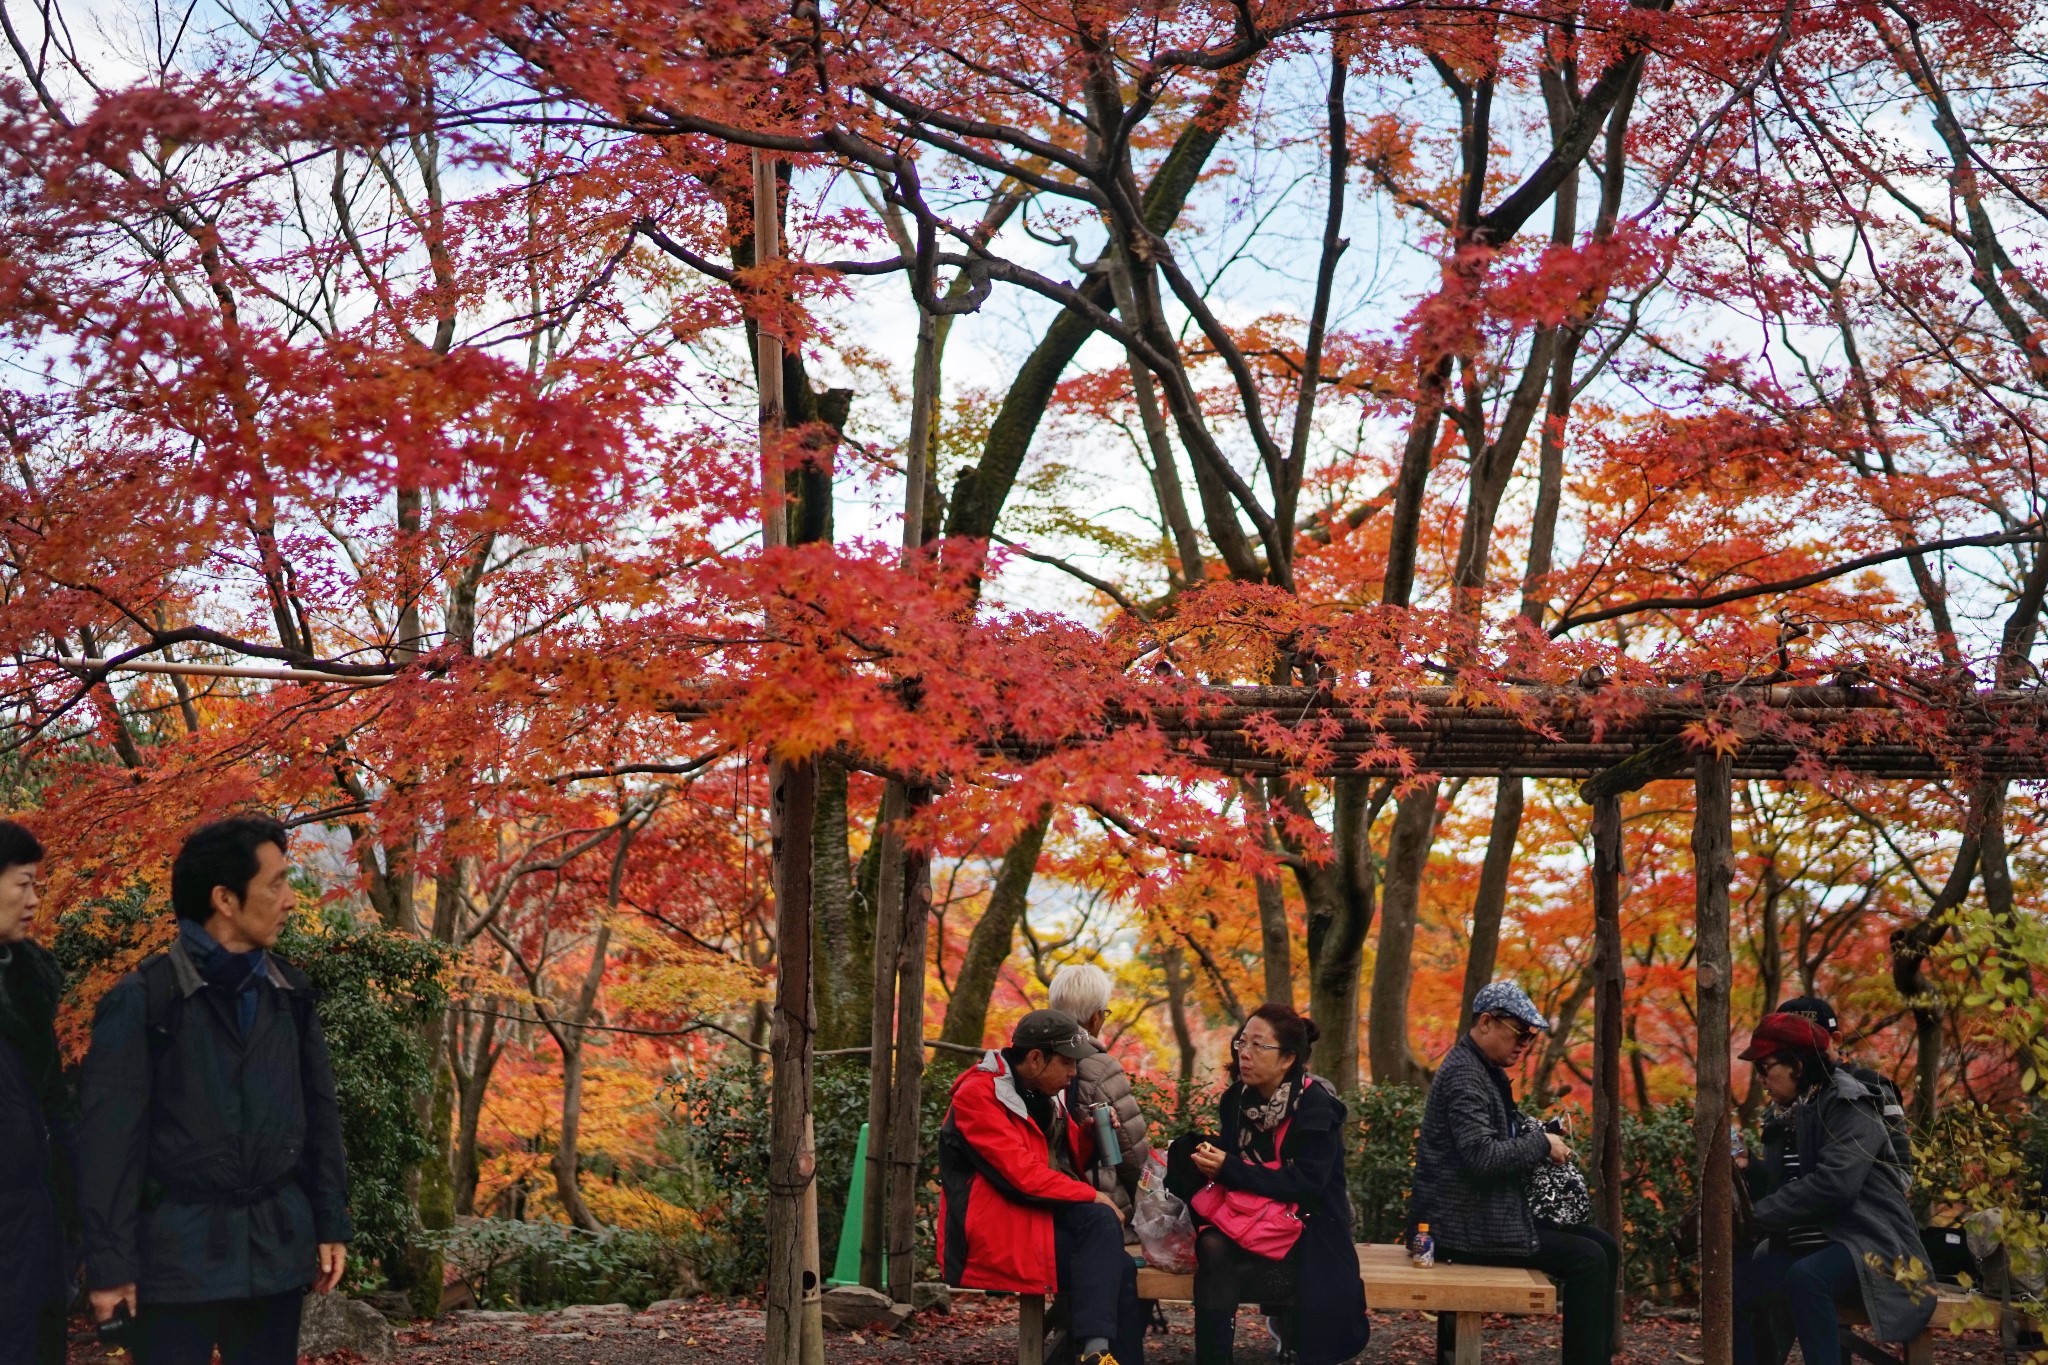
<point>1242,1045</point>
<point>1523,1032</point>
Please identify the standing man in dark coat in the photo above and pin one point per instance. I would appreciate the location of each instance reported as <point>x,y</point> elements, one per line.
<point>35,1270</point>
<point>214,1186</point>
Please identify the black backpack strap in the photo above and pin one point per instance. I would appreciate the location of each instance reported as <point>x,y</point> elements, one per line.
<point>302,998</point>
<point>162,1002</point>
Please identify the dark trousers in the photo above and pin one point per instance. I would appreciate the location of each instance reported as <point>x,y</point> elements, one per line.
<point>248,1331</point>
<point>1588,1263</point>
<point>1227,1275</point>
<point>31,1335</point>
<point>1098,1280</point>
<point>1807,1287</point>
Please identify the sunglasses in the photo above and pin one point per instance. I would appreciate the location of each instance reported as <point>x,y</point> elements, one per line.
<point>1523,1032</point>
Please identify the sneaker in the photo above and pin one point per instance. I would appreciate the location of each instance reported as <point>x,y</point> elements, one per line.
<point>1098,1358</point>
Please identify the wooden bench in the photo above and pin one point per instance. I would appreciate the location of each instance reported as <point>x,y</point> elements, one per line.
<point>1918,1351</point>
<point>1464,1293</point>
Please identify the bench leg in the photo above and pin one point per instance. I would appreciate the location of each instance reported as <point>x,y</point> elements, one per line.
<point>1468,1329</point>
<point>1030,1329</point>
<point>1920,1350</point>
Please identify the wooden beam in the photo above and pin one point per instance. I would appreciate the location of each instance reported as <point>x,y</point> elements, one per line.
<point>1666,758</point>
<point>1607,1011</point>
<point>1712,853</point>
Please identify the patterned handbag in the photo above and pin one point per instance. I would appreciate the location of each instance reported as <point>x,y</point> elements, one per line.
<point>1557,1192</point>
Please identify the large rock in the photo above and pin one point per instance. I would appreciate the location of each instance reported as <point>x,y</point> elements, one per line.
<point>931,1294</point>
<point>335,1322</point>
<point>856,1308</point>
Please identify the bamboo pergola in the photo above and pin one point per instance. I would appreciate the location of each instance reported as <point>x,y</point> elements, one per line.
<point>1615,741</point>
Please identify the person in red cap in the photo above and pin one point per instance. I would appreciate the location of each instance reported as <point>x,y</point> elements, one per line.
<point>1866,1246</point>
<point>1900,1155</point>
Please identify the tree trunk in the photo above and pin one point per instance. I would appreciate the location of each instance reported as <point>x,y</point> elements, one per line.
<point>874,1233</point>
<point>792,1169</point>
<point>472,1087</point>
<point>1559,1042</point>
<point>566,1155</point>
<point>1276,944</point>
<point>1175,967</point>
<point>1911,945</point>
<point>908,1090</point>
<point>569,1033</point>
<point>1607,1007</point>
<point>989,944</point>
<point>1638,1068</point>
<point>1712,844</point>
<point>1340,904</point>
<point>1394,967</point>
<point>844,946</point>
<point>1491,900</point>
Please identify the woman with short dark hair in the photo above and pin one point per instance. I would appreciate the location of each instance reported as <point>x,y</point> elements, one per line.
<point>1869,1246</point>
<point>1276,1112</point>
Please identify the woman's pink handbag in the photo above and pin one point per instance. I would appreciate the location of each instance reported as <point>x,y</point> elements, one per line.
<point>1260,1224</point>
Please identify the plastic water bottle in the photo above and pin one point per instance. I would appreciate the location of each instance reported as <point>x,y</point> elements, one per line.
<point>1111,1151</point>
<point>1735,1147</point>
<point>1422,1250</point>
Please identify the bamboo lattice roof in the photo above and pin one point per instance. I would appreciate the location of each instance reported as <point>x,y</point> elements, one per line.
<point>1577,732</point>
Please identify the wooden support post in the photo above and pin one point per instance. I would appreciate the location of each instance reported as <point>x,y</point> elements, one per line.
<point>874,1231</point>
<point>907,1091</point>
<point>1469,1327</point>
<point>768,358</point>
<point>793,1286</point>
<point>1030,1329</point>
<point>795,1332</point>
<point>1607,1012</point>
<point>1712,850</point>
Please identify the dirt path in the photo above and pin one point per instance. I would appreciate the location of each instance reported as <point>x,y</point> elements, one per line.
<point>983,1332</point>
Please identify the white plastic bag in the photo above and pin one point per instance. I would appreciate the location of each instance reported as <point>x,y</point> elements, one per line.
<point>1162,1223</point>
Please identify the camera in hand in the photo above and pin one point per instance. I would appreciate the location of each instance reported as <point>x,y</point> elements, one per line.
<point>117,1328</point>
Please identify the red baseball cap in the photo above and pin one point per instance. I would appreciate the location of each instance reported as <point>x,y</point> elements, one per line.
<point>1777,1033</point>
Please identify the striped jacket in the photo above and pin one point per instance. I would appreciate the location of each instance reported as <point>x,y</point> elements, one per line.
<point>1473,1157</point>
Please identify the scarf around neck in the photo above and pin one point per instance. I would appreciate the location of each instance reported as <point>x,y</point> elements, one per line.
<point>236,974</point>
<point>1265,1115</point>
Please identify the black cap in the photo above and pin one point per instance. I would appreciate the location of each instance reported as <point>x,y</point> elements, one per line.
<point>1814,1008</point>
<point>1052,1031</point>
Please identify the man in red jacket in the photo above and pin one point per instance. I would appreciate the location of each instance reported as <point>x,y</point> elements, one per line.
<point>1014,1211</point>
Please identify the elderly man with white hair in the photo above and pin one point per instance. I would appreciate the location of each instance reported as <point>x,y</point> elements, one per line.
<point>1082,990</point>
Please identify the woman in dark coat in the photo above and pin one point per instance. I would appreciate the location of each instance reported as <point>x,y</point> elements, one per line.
<point>1866,1245</point>
<point>1324,1320</point>
<point>35,1268</point>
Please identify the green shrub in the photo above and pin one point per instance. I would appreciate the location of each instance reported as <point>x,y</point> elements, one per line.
<point>717,1145</point>
<point>511,1264</point>
<point>1380,1157</point>
<point>1657,1187</point>
<point>377,992</point>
